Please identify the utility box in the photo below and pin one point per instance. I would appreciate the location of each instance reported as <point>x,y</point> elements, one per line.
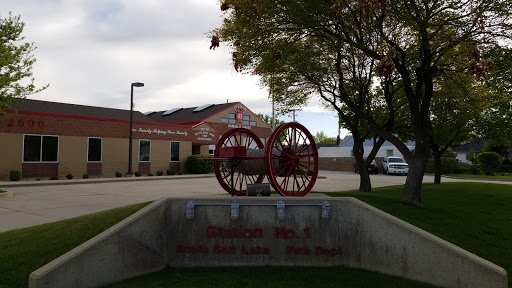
<point>258,189</point>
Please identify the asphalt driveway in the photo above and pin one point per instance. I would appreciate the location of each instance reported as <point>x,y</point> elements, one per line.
<point>37,202</point>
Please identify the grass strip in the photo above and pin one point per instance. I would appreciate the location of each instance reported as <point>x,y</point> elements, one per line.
<point>23,251</point>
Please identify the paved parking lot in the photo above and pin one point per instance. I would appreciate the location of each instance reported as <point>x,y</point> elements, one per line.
<point>37,202</point>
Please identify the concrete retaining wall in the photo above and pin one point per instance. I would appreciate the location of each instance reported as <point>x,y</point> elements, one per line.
<point>266,231</point>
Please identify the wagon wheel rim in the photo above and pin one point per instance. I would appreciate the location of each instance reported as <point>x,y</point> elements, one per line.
<point>292,160</point>
<point>223,168</point>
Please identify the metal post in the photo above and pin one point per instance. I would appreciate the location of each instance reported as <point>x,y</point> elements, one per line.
<point>273,109</point>
<point>130,145</point>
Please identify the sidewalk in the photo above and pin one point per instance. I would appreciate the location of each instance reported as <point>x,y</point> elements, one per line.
<point>33,182</point>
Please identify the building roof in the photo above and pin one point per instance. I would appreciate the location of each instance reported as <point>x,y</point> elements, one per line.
<point>180,116</point>
<point>325,145</point>
<point>348,141</point>
<point>188,115</point>
<point>477,146</point>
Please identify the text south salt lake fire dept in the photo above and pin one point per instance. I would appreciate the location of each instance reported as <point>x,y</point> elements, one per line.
<point>239,233</point>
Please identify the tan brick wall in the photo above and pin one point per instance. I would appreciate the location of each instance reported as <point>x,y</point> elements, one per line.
<point>72,155</point>
<point>160,160</point>
<point>115,156</point>
<point>11,149</point>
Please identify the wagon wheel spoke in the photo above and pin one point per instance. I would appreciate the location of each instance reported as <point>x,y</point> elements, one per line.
<point>292,160</point>
<point>223,169</point>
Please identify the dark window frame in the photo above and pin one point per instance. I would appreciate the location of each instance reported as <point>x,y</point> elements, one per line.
<point>45,153</point>
<point>141,156</point>
<point>89,150</point>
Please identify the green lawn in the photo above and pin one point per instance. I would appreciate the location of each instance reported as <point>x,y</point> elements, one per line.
<point>475,216</point>
<point>25,250</point>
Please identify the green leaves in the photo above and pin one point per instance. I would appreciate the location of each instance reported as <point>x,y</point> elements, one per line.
<point>16,60</point>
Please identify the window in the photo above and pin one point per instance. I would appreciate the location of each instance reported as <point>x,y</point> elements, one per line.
<point>175,151</point>
<point>211,149</point>
<point>94,149</point>
<point>232,118</point>
<point>144,150</point>
<point>389,152</point>
<point>40,148</point>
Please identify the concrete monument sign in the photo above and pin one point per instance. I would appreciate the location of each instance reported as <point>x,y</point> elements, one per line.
<point>266,231</point>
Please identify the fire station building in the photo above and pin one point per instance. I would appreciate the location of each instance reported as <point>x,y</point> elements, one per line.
<point>44,139</point>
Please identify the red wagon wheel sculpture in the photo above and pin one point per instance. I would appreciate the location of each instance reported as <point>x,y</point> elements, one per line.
<point>227,170</point>
<point>292,160</point>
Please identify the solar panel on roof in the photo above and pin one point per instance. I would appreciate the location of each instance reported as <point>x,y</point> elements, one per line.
<point>169,112</point>
<point>149,113</point>
<point>202,107</point>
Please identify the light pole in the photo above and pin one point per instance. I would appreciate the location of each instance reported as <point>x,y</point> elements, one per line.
<point>136,84</point>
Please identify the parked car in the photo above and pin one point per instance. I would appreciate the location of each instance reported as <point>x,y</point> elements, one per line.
<point>373,168</point>
<point>394,165</point>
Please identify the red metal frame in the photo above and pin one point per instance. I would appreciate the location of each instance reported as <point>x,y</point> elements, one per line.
<point>291,160</point>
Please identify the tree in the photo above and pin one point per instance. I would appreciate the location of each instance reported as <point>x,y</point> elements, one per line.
<point>415,41</point>
<point>16,60</point>
<point>455,109</point>
<point>499,145</point>
<point>489,161</point>
<point>322,138</point>
<point>268,120</point>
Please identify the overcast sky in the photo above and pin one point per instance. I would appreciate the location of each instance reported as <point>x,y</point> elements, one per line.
<point>90,51</point>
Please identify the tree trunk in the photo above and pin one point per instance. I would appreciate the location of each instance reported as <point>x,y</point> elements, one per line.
<point>365,185</point>
<point>358,150</point>
<point>437,168</point>
<point>412,188</point>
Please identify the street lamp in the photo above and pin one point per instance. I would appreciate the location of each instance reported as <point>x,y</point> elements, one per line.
<point>136,84</point>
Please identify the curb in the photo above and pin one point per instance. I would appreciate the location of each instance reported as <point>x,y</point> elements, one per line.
<point>6,194</point>
<point>100,180</point>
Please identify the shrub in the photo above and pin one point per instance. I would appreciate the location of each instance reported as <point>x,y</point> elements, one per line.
<point>85,176</point>
<point>170,172</point>
<point>301,172</point>
<point>196,165</point>
<point>137,174</point>
<point>448,165</point>
<point>463,168</point>
<point>159,172</point>
<point>119,174</point>
<point>150,174</point>
<point>489,161</point>
<point>15,175</point>
<point>69,176</point>
<point>54,178</point>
